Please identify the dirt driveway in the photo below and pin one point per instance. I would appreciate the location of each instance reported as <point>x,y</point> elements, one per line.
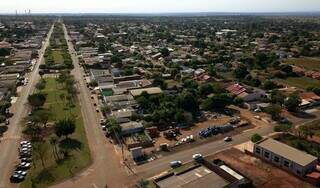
<point>261,173</point>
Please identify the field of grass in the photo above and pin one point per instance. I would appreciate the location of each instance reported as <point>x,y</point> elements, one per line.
<point>57,56</point>
<point>306,63</point>
<point>301,82</point>
<point>80,154</point>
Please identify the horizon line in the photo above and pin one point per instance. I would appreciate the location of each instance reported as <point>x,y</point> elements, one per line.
<point>161,13</point>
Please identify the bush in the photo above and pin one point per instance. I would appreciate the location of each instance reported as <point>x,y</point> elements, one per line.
<point>256,138</point>
<point>282,128</point>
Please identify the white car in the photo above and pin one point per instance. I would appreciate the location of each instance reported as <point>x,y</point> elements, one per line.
<point>257,117</point>
<point>197,156</point>
<point>227,139</point>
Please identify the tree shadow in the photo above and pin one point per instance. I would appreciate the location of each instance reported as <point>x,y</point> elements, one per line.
<point>45,176</point>
<point>70,144</point>
<point>3,129</point>
<point>303,115</point>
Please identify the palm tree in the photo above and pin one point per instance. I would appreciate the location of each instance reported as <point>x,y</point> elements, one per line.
<point>53,142</point>
<point>41,151</point>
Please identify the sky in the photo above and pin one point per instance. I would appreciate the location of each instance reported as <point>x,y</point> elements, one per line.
<point>157,6</point>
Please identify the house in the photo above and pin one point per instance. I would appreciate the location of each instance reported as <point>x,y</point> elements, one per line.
<point>131,127</point>
<point>309,99</point>
<point>150,91</point>
<point>118,102</point>
<point>286,157</point>
<point>103,77</point>
<point>248,95</point>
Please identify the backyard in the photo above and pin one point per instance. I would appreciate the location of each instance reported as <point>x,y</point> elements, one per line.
<point>301,82</point>
<point>306,63</point>
<point>59,169</point>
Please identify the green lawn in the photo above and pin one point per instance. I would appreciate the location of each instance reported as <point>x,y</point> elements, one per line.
<point>301,82</point>
<point>307,63</point>
<point>57,56</point>
<point>80,154</point>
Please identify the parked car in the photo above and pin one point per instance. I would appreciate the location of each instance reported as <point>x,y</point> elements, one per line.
<point>24,165</point>
<point>175,164</point>
<point>26,159</point>
<point>257,117</point>
<point>25,154</point>
<point>197,157</point>
<point>21,172</point>
<point>16,178</point>
<point>24,142</point>
<point>227,139</point>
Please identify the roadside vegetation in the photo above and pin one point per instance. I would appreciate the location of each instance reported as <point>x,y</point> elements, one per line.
<point>56,55</point>
<point>55,127</point>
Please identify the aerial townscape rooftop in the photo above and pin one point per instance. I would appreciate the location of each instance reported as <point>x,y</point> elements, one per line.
<point>165,94</point>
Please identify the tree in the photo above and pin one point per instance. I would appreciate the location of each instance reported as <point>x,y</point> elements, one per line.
<point>206,89</point>
<point>274,110</point>
<point>65,127</point>
<point>217,102</point>
<point>165,52</point>
<point>269,84</point>
<point>34,130</point>
<point>256,138</point>
<point>41,73</point>
<point>53,142</point>
<point>113,126</point>
<point>241,72</point>
<point>40,116</point>
<point>190,83</point>
<point>293,102</point>
<point>188,102</point>
<point>277,97</point>
<point>4,105</point>
<point>37,100</point>
<point>40,150</point>
<point>41,84</point>
<point>160,82</point>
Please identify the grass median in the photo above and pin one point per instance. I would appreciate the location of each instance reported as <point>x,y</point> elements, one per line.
<point>57,170</point>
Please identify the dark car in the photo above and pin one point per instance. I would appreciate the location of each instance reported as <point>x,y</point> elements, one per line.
<point>25,154</point>
<point>16,178</point>
<point>26,159</point>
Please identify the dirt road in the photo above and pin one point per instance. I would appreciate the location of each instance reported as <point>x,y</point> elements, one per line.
<point>106,168</point>
<point>9,143</point>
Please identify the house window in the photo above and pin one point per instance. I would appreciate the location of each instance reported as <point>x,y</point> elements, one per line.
<point>286,164</point>
<point>276,159</point>
<point>266,154</point>
<point>258,150</point>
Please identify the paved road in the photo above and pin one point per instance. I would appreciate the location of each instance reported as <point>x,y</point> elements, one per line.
<point>155,167</point>
<point>106,168</point>
<point>9,143</point>
<point>152,168</point>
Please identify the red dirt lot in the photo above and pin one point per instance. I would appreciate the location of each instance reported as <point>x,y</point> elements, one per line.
<point>261,173</point>
<point>193,131</point>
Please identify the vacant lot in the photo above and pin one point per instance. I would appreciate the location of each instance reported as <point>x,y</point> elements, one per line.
<point>57,170</point>
<point>261,173</point>
<point>301,82</point>
<point>306,63</point>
